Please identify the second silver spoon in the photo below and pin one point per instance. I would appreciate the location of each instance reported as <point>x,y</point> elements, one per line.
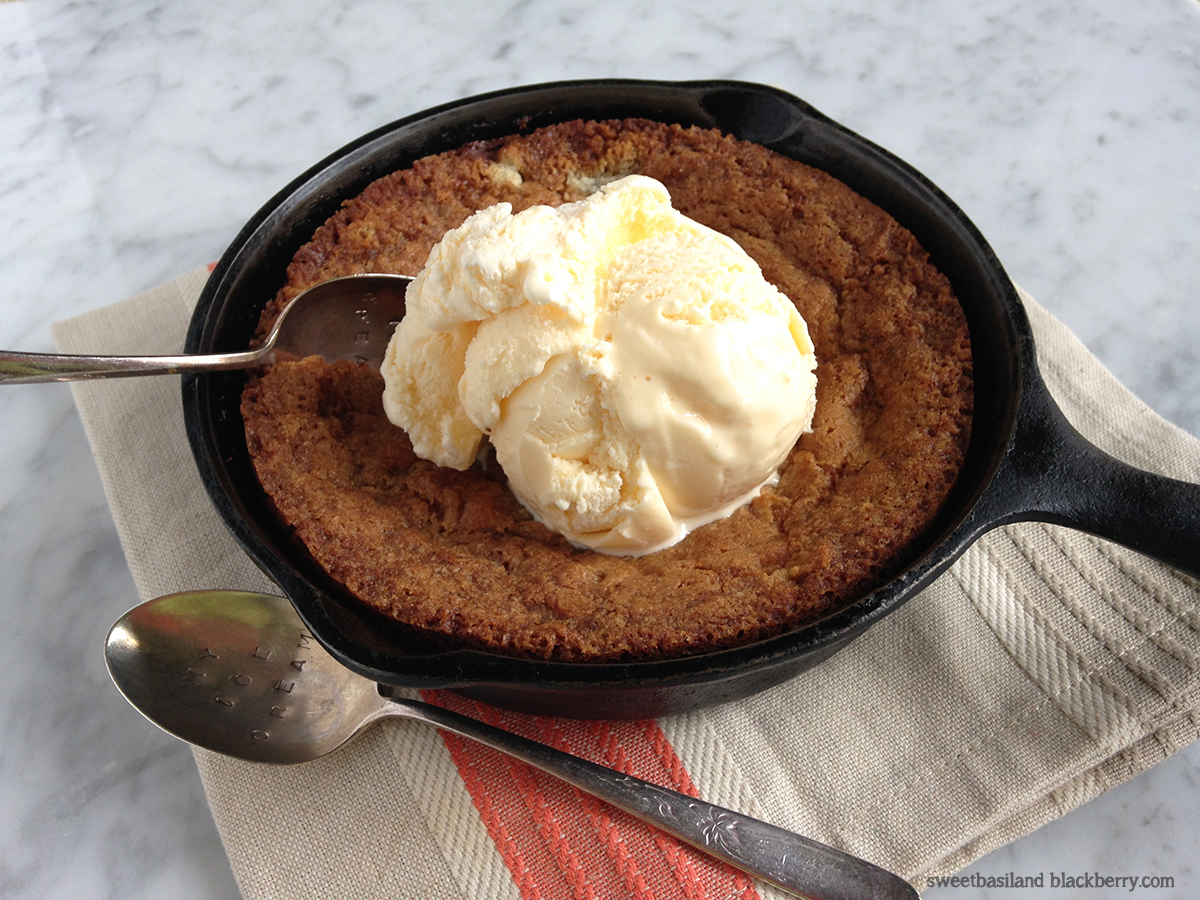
<point>238,673</point>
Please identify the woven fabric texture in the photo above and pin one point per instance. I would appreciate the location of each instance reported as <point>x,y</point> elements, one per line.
<point>1043,668</point>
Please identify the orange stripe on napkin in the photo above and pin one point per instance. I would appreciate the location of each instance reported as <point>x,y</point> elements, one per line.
<point>561,843</point>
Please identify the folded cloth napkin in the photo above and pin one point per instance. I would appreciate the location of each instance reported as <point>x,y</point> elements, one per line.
<point>1044,668</point>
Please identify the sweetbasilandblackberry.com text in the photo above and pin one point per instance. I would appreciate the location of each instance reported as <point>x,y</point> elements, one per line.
<point>1053,880</point>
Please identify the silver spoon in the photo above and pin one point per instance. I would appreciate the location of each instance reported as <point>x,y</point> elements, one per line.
<point>343,318</point>
<point>238,673</point>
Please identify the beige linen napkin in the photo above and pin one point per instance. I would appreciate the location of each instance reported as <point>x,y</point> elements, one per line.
<point>1044,668</point>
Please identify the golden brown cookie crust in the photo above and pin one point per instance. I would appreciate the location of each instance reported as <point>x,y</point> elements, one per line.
<point>454,554</point>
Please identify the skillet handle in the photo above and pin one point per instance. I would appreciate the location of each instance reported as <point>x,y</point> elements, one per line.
<point>1053,474</point>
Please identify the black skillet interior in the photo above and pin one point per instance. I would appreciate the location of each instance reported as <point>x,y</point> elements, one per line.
<point>254,266</point>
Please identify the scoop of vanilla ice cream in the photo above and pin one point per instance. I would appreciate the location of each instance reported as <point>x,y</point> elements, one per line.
<point>637,375</point>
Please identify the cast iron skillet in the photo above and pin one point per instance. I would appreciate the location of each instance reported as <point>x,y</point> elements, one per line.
<point>1024,462</point>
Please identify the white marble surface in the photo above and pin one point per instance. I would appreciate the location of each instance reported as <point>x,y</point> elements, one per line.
<point>136,137</point>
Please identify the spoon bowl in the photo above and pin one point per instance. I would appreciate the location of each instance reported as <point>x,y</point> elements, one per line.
<point>343,318</point>
<point>239,673</point>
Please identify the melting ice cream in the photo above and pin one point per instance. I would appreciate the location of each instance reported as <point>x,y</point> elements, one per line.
<point>636,374</point>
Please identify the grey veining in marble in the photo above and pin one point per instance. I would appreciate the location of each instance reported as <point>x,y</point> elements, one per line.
<point>136,138</point>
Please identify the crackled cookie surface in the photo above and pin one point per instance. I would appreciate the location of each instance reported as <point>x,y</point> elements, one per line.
<point>454,554</point>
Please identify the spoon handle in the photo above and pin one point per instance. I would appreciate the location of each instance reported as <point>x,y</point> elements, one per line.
<point>34,368</point>
<point>796,864</point>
